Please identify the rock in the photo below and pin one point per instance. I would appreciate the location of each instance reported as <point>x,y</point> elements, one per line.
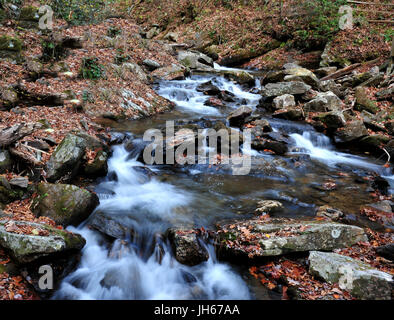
<point>325,71</point>
<point>294,114</point>
<point>374,142</point>
<point>151,64</point>
<point>333,120</point>
<point>269,206</point>
<point>153,32</point>
<point>262,124</point>
<point>283,102</point>
<point>172,36</point>
<point>386,251</point>
<point>363,102</point>
<point>386,94</point>
<point>110,226</point>
<point>66,159</point>
<point>329,213</point>
<point>331,85</point>
<point>98,167</point>
<point>5,161</point>
<point>208,88</point>
<point>19,182</point>
<point>282,236</point>
<point>352,275</point>
<point>290,74</point>
<point>324,102</point>
<point>172,72</point>
<point>326,59</point>
<point>352,131</point>
<point>194,59</point>
<point>241,77</point>
<point>214,102</point>
<point>384,205</point>
<point>390,127</point>
<point>237,117</point>
<point>281,88</point>
<point>136,70</point>
<point>65,204</point>
<point>26,248</point>
<point>262,144</point>
<point>186,247</point>
<point>39,144</point>
<point>12,44</point>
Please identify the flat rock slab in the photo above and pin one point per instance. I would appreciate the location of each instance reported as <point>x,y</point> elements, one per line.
<point>258,238</point>
<point>360,279</point>
<point>28,241</point>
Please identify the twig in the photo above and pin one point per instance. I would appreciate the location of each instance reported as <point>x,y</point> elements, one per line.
<point>388,155</point>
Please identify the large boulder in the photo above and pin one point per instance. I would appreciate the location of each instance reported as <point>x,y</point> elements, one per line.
<point>324,102</point>
<point>194,59</point>
<point>186,246</point>
<point>65,204</point>
<point>66,159</point>
<point>237,117</point>
<point>359,278</point>
<point>257,238</point>
<point>333,120</point>
<point>272,90</point>
<point>28,241</point>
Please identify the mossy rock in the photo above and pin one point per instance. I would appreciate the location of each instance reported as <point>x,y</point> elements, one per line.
<point>65,204</point>
<point>363,102</point>
<point>10,195</point>
<point>375,141</point>
<point>29,17</point>
<point>12,44</point>
<point>99,165</point>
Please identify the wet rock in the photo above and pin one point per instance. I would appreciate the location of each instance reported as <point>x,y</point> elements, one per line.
<point>293,74</point>
<point>269,206</point>
<point>5,161</point>
<point>263,144</point>
<point>65,204</point>
<point>386,251</point>
<point>98,167</point>
<point>374,142</point>
<point>283,102</point>
<point>352,131</point>
<point>151,64</point>
<point>294,114</point>
<point>208,88</point>
<point>333,120</point>
<point>26,248</point>
<point>214,102</point>
<point>257,238</point>
<point>194,59</point>
<point>262,125</point>
<point>281,88</point>
<point>380,184</point>
<point>385,205</point>
<point>329,213</point>
<point>237,117</point>
<point>110,226</point>
<point>186,247</point>
<point>363,102</point>
<point>324,102</point>
<point>66,159</point>
<point>357,277</point>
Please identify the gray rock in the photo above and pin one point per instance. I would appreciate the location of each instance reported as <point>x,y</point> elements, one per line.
<point>27,248</point>
<point>172,36</point>
<point>66,159</point>
<point>281,88</point>
<point>352,131</point>
<point>281,236</point>
<point>5,161</point>
<point>237,117</point>
<point>137,70</point>
<point>151,64</point>
<point>153,32</point>
<point>110,226</point>
<point>293,74</point>
<point>325,71</point>
<point>194,59</point>
<point>65,204</point>
<point>20,182</point>
<point>283,102</point>
<point>324,102</point>
<point>333,120</point>
<point>363,102</point>
<point>292,113</point>
<point>331,85</point>
<point>359,278</point>
<point>269,206</point>
<point>171,72</point>
<point>329,213</point>
<point>186,246</point>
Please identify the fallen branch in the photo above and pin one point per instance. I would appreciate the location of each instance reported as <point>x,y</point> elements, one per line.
<point>371,3</point>
<point>341,72</point>
<point>12,134</point>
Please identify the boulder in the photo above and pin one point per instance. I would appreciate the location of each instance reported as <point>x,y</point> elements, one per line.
<point>291,113</point>
<point>324,102</point>
<point>151,64</point>
<point>172,36</point>
<point>110,226</point>
<point>66,159</point>
<point>331,85</point>
<point>237,117</point>
<point>357,277</point>
<point>153,32</point>
<point>41,241</point>
<point>283,102</point>
<point>5,161</point>
<point>258,238</point>
<point>186,246</point>
<point>294,73</point>
<point>194,59</point>
<point>208,88</point>
<point>374,142</point>
<point>352,131</point>
<point>272,90</point>
<point>386,251</point>
<point>329,213</point>
<point>65,204</point>
<point>333,120</point>
<point>98,167</point>
<point>171,72</point>
<point>136,70</point>
<point>363,102</point>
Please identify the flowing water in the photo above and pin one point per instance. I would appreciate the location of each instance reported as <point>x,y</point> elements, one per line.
<point>200,195</point>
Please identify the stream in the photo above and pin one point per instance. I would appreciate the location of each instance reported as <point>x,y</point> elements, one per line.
<point>199,196</point>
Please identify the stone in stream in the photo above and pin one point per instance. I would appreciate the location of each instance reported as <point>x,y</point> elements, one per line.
<point>352,131</point>
<point>110,226</point>
<point>272,90</point>
<point>257,238</point>
<point>237,117</point>
<point>42,241</point>
<point>186,247</point>
<point>324,102</point>
<point>283,102</point>
<point>194,59</point>
<point>293,114</point>
<point>269,206</point>
<point>208,88</point>
<point>65,204</point>
<point>357,277</point>
<point>333,120</point>
<point>329,213</point>
<point>295,73</point>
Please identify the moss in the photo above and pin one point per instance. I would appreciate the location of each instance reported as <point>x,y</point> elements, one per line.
<point>29,13</point>
<point>8,43</point>
<point>3,15</point>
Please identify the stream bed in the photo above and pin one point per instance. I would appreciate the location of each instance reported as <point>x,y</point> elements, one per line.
<point>201,195</point>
